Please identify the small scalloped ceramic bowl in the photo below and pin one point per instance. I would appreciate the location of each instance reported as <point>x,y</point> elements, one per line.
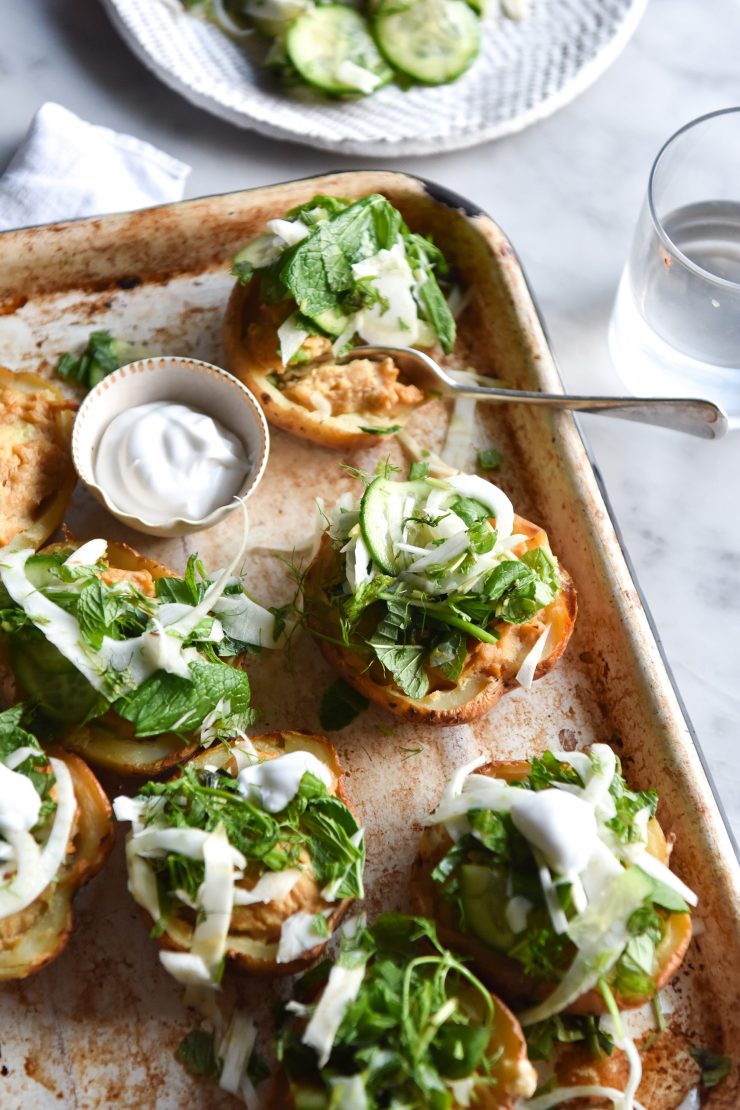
<point>186,381</point>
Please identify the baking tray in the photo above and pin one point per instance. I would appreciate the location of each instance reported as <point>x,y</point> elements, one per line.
<point>99,1027</point>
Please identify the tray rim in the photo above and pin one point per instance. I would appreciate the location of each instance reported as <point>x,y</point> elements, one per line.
<point>644,640</point>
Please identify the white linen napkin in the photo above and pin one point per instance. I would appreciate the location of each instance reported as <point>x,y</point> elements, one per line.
<point>66,167</point>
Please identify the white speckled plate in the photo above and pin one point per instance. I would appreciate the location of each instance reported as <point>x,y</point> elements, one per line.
<point>525,71</point>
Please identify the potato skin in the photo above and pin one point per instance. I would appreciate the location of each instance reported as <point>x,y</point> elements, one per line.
<point>52,920</point>
<point>51,512</point>
<point>476,691</point>
<point>273,744</point>
<point>250,342</point>
<point>108,741</point>
<point>499,971</point>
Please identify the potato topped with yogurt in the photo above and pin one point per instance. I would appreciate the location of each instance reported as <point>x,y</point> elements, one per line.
<point>55,833</point>
<point>325,277</point>
<point>250,854</point>
<point>553,877</point>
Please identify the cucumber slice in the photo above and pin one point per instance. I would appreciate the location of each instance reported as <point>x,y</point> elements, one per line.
<point>432,41</point>
<point>50,681</point>
<point>332,320</point>
<point>332,49</point>
<point>381,506</point>
<point>483,893</point>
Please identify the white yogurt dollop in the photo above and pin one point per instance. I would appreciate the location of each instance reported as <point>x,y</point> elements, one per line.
<point>163,460</point>
<point>20,802</point>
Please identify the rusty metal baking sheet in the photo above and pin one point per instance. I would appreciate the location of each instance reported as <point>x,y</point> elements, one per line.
<point>98,1028</point>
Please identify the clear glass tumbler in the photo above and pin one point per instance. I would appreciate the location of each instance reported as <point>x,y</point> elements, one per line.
<point>675,329</point>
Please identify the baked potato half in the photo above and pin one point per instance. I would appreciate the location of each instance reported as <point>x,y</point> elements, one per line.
<point>321,400</point>
<point>328,275</point>
<point>398,1017</point>
<point>51,799</point>
<point>124,661</point>
<point>525,889</point>
<point>291,847</point>
<point>438,642</point>
<point>37,477</point>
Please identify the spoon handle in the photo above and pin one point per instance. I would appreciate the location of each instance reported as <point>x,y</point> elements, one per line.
<point>698,418</point>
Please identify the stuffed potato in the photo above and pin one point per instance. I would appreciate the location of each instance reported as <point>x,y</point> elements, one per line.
<point>433,599</point>
<point>558,889</point>
<point>36,472</point>
<point>326,274</point>
<point>398,1020</point>
<point>124,661</point>
<point>261,832</point>
<point>56,832</point>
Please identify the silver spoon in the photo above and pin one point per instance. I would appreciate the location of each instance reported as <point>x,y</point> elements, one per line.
<point>698,418</point>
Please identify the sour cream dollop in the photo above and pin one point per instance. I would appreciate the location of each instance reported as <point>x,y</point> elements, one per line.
<point>164,459</point>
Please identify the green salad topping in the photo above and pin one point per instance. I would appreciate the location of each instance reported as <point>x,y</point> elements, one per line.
<point>314,823</point>
<point>81,645</point>
<point>422,570</point>
<point>419,1024</point>
<point>350,269</point>
<point>492,868</point>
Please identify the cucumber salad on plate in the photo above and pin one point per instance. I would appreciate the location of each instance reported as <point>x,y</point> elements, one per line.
<point>350,50</point>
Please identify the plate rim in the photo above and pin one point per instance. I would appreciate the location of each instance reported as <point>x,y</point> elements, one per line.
<point>398,148</point>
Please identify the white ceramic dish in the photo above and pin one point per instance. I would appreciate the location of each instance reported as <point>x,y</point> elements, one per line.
<point>525,71</point>
<point>189,381</point>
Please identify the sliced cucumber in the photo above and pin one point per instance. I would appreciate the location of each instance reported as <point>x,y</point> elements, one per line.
<point>432,41</point>
<point>381,513</point>
<point>483,892</point>
<point>332,49</point>
<point>332,320</point>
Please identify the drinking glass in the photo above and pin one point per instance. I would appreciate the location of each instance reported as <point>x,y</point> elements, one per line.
<point>675,328</point>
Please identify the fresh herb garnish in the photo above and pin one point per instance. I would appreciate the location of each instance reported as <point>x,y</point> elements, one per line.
<point>382,431</point>
<point>314,822</point>
<point>316,273</point>
<point>714,1067</point>
<point>197,1053</point>
<point>102,355</point>
<point>113,610</point>
<point>420,1021</point>
<point>339,706</point>
<point>490,459</point>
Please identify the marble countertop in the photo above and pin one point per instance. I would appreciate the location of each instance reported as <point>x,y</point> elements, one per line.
<point>567,191</point>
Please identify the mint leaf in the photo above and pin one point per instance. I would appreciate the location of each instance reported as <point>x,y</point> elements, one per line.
<point>449,654</point>
<point>197,1053</point>
<point>405,662</point>
<point>317,270</point>
<point>97,608</point>
<point>469,510</point>
<point>418,470</point>
<point>490,459</point>
<point>166,702</point>
<point>339,706</point>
